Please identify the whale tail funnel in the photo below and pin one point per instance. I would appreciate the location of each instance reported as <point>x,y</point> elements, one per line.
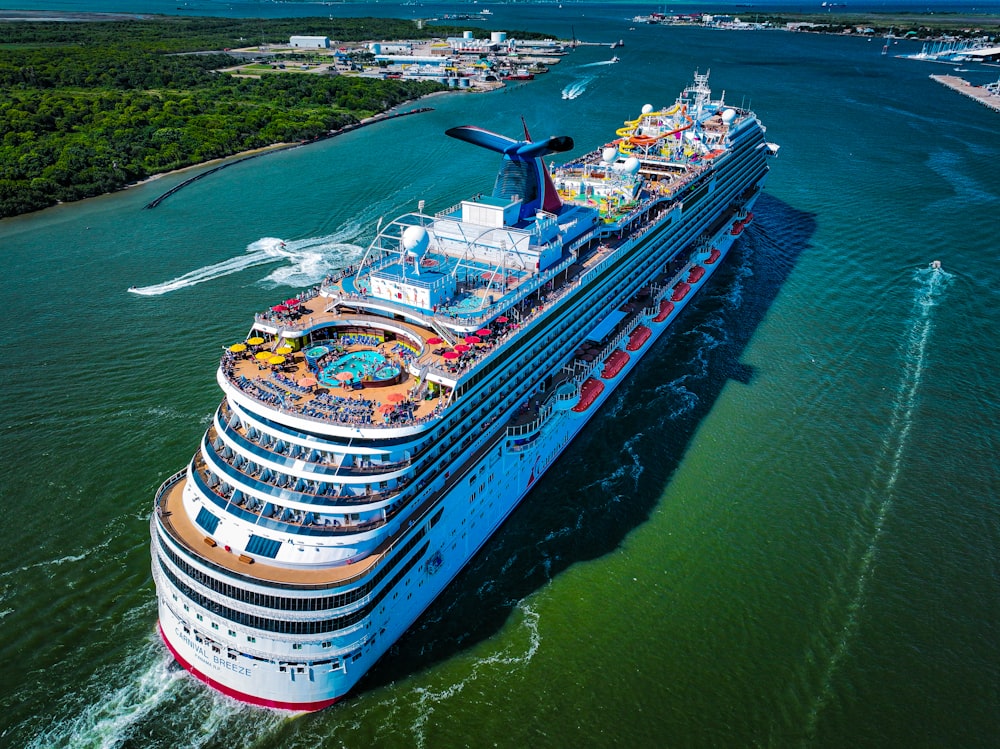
<point>523,172</point>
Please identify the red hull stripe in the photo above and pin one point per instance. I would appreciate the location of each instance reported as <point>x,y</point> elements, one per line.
<point>236,695</point>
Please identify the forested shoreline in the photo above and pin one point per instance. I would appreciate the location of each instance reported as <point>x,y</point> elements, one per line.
<point>88,108</point>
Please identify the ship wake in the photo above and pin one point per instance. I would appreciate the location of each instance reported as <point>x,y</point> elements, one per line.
<point>577,88</point>
<point>304,262</point>
<point>930,284</point>
<point>148,700</point>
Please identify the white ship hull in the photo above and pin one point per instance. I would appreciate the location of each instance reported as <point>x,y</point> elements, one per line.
<point>312,529</point>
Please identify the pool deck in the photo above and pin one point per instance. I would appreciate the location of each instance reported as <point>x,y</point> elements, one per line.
<point>295,368</point>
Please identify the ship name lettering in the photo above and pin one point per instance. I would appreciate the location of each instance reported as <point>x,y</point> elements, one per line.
<point>225,663</point>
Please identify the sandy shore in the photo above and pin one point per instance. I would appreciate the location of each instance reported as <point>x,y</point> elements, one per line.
<point>221,160</point>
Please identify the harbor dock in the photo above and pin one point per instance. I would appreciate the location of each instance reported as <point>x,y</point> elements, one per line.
<point>986,95</point>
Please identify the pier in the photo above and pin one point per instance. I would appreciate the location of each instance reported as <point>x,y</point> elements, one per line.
<point>988,96</point>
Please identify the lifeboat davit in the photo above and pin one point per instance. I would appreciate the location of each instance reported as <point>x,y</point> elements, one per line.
<point>680,291</point>
<point>696,274</point>
<point>589,391</point>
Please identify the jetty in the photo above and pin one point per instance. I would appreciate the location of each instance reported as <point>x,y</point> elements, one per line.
<point>988,95</point>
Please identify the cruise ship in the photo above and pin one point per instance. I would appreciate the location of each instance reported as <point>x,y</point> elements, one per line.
<point>375,431</point>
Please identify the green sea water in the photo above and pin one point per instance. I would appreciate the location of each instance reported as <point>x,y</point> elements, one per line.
<point>782,531</point>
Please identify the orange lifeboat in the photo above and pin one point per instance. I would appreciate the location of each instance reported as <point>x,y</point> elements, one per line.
<point>665,309</point>
<point>696,274</point>
<point>713,256</point>
<point>639,336</point>
<point>680,291</point>
<point>614,364</point>
<point>589,391</point>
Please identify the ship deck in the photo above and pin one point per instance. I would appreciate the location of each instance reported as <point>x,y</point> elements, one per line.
<point>183,530</point>
<point>171,513</point>
<point>287,384</point>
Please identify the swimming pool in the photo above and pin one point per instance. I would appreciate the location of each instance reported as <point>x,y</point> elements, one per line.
<point>317,351</point>
<point>359,364</point>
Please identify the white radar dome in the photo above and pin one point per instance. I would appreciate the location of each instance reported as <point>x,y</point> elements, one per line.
<point>728,115</point>
<point>631,165</point>
<point>415,240</point>
<point>647,108</point>
<point>609,154</point>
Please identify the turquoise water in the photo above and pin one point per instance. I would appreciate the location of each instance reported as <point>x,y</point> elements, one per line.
<point>782,531</point>
<point>360,364</point>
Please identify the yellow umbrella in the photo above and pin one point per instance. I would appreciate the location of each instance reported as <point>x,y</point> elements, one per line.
<point>283,350</point>
<point>276,360</point>
<point>238,347</point>
<point>255,341</point>
<point>262,355</point>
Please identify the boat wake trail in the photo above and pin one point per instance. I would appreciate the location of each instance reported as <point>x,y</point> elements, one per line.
<point>307,262</point>
<point>930,285</point>
<point>267,250</point>
<point>151,702</point>
<point>601,62</point>
<point>489,667</point>
<point>575,89</point>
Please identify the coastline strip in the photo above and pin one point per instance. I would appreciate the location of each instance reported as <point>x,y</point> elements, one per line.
<point>329,134</point>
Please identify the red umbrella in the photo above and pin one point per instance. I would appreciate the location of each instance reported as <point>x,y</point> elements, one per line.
<point>292,302</point>
<point>395,397</point>
<point>502,318</point>
<point>484,331</point>
<point>279,308</point>
<point>462,348</point>
<point>307,381</point>
<point>450,354</point>
<point>434,340</point>
<point>472,339</point>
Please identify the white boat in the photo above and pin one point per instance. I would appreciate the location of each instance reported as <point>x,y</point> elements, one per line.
<point>376,430</point>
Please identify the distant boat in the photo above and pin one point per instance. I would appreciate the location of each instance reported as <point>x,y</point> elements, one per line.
<point>614,59</point>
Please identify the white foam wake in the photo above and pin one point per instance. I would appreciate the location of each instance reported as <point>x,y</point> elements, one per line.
<point>147,700</point>
<point>601,62</point>
<point>512,655</point>
<point>305,262</point>
<point>577,88</point>
<point>121,707</point>
<point>931,283</point>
